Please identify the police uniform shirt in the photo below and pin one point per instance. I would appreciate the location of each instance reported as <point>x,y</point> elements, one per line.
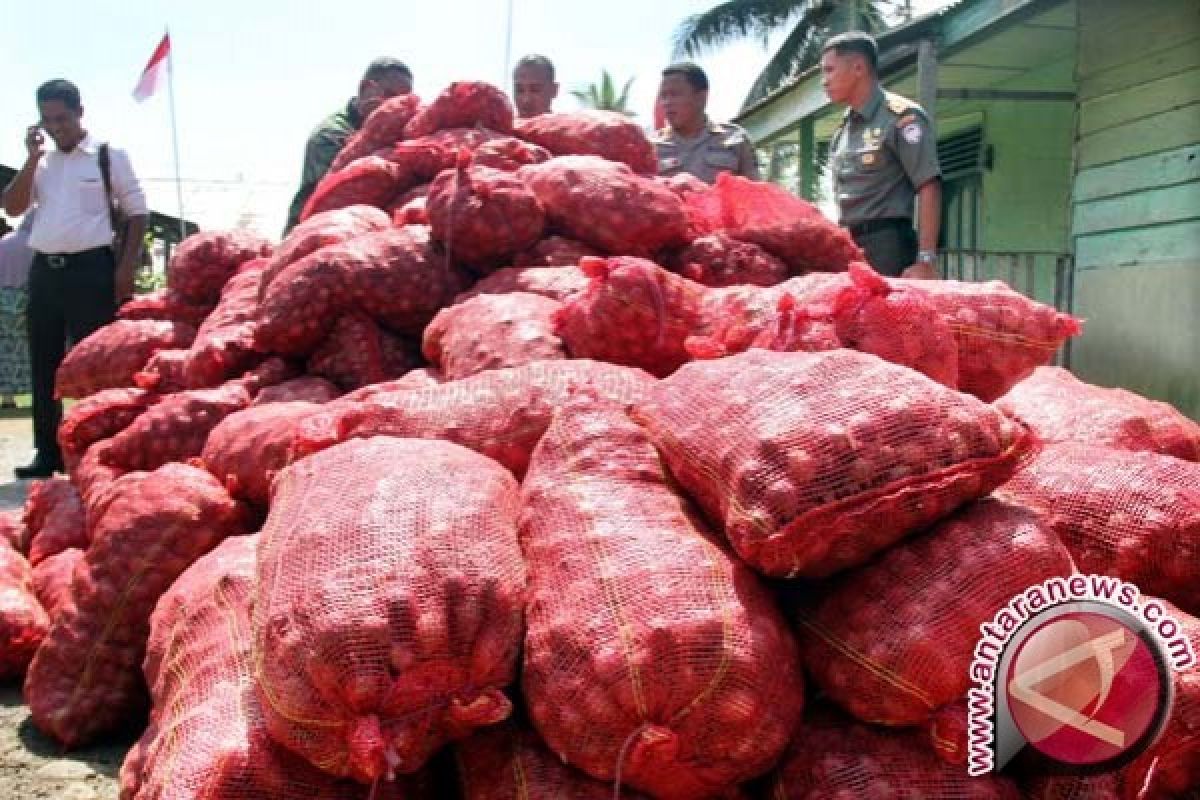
<point>881,155</point>
<point>72,206</point>
<point>720,147</point>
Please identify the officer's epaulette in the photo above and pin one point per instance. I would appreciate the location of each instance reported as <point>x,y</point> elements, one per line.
<point>898,104</point>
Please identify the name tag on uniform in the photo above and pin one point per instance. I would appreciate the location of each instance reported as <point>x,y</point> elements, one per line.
<point>669,163</point>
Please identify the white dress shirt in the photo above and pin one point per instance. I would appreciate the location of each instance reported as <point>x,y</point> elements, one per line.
<point>68,192</point>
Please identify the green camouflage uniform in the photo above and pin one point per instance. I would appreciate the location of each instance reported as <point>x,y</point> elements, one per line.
<point>323,146</point>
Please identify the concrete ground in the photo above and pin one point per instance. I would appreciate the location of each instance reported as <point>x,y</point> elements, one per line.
<point>33,767</point>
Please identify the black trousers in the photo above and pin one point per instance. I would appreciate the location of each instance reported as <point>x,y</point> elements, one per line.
<point>891,248</point>
<point>69,298</point>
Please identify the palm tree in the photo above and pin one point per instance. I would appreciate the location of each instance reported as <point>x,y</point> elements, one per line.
<point>811,23</point>
<point>603,95</point>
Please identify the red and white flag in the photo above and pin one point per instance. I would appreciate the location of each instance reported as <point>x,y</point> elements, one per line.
<point>156,67</point>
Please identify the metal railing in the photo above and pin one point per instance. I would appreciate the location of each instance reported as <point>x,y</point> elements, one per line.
<point>1043,275</point>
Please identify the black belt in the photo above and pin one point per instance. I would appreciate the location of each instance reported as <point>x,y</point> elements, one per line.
<point>60,260</point>
<point>873,225</point>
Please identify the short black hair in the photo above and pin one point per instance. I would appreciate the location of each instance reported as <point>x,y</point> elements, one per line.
<point>382,67</point>
<point>857,42</point>
<point>535,60</point>
<point>692,73</point>
<point>62,90</point>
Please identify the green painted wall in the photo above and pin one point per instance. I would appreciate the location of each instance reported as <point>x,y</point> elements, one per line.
<point>1136,204</point>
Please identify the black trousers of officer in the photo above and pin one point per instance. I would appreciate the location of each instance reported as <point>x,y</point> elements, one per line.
<point>70,296</point>
<point>890,245</point>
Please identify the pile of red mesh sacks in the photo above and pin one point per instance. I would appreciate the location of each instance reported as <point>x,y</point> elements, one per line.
<point>567,481</point>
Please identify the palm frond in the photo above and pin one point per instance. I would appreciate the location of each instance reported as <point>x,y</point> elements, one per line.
<point>734,19</point>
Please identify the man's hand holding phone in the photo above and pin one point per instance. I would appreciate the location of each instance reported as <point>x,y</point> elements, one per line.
<point>35,142</point>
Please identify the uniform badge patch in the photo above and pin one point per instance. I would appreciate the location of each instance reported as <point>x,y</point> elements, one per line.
<point>868,158</point>
<point>911,133</point>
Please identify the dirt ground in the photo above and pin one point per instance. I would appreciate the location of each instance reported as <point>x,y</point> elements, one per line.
<point>33,767</point>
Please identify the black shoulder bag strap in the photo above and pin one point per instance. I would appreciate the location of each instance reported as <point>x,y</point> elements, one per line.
<point>106,175</point>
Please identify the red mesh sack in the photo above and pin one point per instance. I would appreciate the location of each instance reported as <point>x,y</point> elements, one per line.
<point>492,331</point>
<point>776,220</point>
<point>607,134</point>
<point>85,679</point>
<point>206,737</point>
<point>721,260</point>
<point>508,154</point>
<point>12,529</point>
<point>54,519</point>
<point>93,475</point>
<point>633,312</point>
<point>98,417</point>
<point>203,262</point>
<point>358,353</point>
<point>1058,407</point>
<point>176,428</point>
<point>370,181</point>
<point>308,389</point>
<point>683,183</point>
<point>482,216</point>
<point>834,758</point>
<point>415,193</point>
<point>651,654</point>
<point>813,462</point>
<point>607,205</point>
<point>298,309</point>
<point>463,104</point>
<point>165,372</point>
<point>223,347</point>
<point>501,413</point>
<point>1132,515</point>
<point>319,230</point>
<point>554,251</point>
<point>510,762</point>
<point>895,323</point>
<point>1073,787</point>
<point>109,358</point>
<point>165,304</point>
<point>271,372</point>
<point>23,622</point>
<point>410,212</point>
<point>1171,767</point>
<point>384,127</point>
<point>366,684</point>
<point>556,283</point>
<point>52,579</point>
<point>248,448</point>
<point>402,279</point>
<point>426,156</point>
<point>893,641</point>
<point>1002,336</point>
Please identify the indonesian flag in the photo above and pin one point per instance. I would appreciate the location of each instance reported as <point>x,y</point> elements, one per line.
<point>153,73</point>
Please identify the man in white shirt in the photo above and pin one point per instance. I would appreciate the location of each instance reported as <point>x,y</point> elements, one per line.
<point>77,280</point>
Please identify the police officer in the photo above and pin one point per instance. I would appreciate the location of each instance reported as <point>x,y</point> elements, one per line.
<point>385,78</point>
<point>691,142</point>
<point>883,155</point>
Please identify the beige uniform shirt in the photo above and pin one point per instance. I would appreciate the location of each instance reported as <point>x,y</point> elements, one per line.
<point>720,147</point>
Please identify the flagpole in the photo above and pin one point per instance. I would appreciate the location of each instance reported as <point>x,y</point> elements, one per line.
<point>175,136</point>
<point>508,47</point>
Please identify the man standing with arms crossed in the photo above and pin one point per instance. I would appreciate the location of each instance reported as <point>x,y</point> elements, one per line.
<point>77,280</point>
<point>883,155</point>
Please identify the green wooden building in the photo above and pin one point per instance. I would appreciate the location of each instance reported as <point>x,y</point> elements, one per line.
<point>1069,134</point>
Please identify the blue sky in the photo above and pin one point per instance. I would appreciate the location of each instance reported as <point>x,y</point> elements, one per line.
<point>253,77</point>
